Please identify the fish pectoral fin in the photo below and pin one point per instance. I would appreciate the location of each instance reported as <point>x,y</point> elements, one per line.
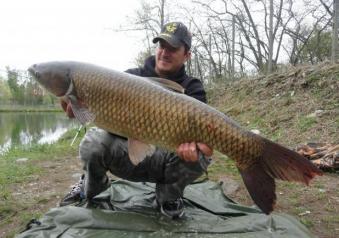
<point>171,85</point>
<point>138,150</point>
<point>80,112</point>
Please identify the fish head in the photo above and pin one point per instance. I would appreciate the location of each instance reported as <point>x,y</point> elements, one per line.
<point>54,76</point>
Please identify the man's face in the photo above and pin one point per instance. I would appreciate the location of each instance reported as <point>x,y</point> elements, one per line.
<point>169,60</point>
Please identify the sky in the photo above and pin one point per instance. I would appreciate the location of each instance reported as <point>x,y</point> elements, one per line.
<point>46,30</point>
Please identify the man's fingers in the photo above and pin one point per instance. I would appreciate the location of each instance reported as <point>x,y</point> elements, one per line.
<point>179,150</point>
<point>192,153</point>
<point>205,149</point>
<point>195,152</point>
<point>69,111</point>
<point>63,104</point>
<point>66,106</point>
<point>188,152</point>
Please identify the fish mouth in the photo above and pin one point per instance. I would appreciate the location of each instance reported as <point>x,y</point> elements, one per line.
<point>33,72</point>
<point>53,76</point>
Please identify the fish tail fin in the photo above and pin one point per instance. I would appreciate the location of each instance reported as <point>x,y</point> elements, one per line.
<point>278,162</point>
<point>285,164</point>
<point>261,187</point>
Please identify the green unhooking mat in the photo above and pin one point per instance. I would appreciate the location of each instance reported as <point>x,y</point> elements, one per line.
<point>127,209</point>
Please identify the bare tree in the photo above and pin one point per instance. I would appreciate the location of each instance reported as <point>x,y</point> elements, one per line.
<point>307,31</point>
<point>235,37</point>
<point>252,25</point>
<point>148,19</point>
<point>335,50</point>
<point>270,39</point>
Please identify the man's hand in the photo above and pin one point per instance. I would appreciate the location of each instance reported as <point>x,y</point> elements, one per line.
<point>189,151</point>
<point>66,106</point>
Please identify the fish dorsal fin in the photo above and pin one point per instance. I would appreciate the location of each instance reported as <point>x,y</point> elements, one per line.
<point>138,150</point>
<point>80,112</point>
<point>169,84</point>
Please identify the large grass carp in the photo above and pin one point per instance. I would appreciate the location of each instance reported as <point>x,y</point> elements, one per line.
<point>148,114</point>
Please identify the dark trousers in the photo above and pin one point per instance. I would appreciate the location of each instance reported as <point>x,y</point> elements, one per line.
<point>101,151</point>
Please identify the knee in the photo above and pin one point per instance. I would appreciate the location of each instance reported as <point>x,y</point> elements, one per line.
<point>91,147</point>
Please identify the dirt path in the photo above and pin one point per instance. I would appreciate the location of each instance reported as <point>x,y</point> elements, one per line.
<point>42,192</point>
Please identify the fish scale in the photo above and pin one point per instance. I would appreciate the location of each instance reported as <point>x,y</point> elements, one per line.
<point>187,117</point>
<point>141,109</point>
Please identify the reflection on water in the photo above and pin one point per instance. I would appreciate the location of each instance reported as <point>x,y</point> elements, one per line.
<point>24,129</point>
<point>50,136</point>
<point>5,147</point>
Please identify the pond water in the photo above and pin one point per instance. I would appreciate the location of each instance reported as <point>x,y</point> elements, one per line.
<point>24,129</point>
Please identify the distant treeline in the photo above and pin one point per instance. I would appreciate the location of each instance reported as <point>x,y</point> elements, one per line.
<point>19,88</point>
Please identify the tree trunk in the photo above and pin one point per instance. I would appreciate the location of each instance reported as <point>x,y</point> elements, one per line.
<point>335,50</point>
<point>270,48</point>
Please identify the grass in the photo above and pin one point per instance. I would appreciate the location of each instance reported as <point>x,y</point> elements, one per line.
<point>277,134</point>
<point>25,217</point>
<point>33,108</point>
<point>313,78</point>
<point>337,120</point>
<point>222,165</point>
<point>331,219</point>
<point>305,123</point>
<point>256,122</point>
<point>13,173</point>
<point>307,222</point>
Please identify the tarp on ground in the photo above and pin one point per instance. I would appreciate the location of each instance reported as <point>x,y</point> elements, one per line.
<point>127,209</point>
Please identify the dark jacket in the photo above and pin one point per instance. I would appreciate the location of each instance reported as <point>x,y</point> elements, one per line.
<point>193,86</point>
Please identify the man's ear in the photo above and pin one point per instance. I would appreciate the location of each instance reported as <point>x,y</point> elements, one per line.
<point>187,55</point>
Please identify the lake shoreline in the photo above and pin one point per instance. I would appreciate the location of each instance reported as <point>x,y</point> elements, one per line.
<point>23,128</point>
<point>32,109</point>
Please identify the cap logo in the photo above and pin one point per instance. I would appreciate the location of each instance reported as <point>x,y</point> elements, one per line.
<point>165,34</point>
<point>171,28</point>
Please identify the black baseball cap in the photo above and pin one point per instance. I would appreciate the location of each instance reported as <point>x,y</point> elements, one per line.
<point>176,34</point>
